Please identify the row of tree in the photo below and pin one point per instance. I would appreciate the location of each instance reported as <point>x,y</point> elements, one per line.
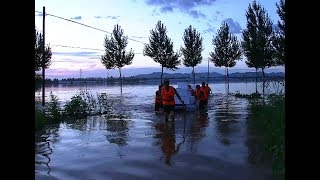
<point>262,46</point>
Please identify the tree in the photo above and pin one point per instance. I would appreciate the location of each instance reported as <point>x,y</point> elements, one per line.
<point>257,38</point>
<point>279,36</point>
<point>38,46</point>
<point>115,47</point>
<point>160,49</point>
<point>193,48</point>
<point>227,49</point>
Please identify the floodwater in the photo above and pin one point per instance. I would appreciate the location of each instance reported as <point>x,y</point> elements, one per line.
<point>135,143</point>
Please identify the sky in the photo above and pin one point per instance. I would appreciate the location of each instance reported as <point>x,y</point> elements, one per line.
<point>77,49</point>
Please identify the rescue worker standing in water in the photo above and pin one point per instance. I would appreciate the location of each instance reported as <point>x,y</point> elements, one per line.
<point>168,104</point>
<point>158,100</point>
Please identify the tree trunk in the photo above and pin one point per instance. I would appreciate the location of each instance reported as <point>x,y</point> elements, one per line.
<point>161,73</point>
<point>194,76</point>
<point>256,80</point>
<point>120,80</point>
<point>263,83</point>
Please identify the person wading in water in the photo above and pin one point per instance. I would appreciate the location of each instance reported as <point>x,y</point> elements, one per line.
<point>168,103</point>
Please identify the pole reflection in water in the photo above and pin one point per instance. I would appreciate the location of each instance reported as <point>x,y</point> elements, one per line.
<point>43,146</point>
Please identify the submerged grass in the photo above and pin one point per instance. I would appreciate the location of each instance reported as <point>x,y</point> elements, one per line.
<point>269,118</point>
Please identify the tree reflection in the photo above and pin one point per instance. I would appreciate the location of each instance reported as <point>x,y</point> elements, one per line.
<point>118,131</point>
<point>225,113</point>
<point>197,130</point>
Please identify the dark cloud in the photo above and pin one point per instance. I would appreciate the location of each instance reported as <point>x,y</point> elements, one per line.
<point>165,9</point>
<point>218,12</point>
<point>196,14</point>
<point>179,22</point>
<point>185,6</point>
<point>39,14</point>
<point>234,27</point>
<point>76,18</point>
<point>98,17</point>
<point>81,53</point>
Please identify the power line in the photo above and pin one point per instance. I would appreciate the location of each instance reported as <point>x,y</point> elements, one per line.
<point>85,25</point>
<point>81,48</point>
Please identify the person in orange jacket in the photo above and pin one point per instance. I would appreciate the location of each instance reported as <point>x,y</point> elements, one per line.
<point>158,100</point>
<point>168,104</point>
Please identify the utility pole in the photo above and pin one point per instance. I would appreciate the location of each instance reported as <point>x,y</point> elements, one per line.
<point>43,57</point>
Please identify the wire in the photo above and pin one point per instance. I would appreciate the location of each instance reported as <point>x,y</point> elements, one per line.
<point>85,25</point>
<point>82,48</point>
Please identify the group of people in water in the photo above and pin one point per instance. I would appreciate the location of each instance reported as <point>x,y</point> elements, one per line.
<point>164,97</point>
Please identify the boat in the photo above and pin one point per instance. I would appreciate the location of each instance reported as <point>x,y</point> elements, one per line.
<point>189,100</point>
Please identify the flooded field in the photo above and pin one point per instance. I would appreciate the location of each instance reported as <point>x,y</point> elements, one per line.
<point>134,143</point>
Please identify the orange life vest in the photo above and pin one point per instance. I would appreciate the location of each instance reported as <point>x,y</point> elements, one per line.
<point>168,96</point>
<point>206,91</point>
<point>198,92</point>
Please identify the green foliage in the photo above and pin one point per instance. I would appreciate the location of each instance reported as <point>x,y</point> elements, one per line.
<point>115,54</point>
<point>227,48</point>
<point>103,107</point>
<point>193,48</point>
<point>255,95</point>
<point>39,52</point>
<point>54,110</point>
<point>269,118</point>
<point>257,38</point>
<point>40,120</point>
<point>160,48</point>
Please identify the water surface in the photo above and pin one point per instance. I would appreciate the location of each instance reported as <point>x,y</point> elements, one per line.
<point>137,144</point>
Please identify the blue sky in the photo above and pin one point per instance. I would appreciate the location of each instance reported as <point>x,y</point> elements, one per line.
<point>136,18</point>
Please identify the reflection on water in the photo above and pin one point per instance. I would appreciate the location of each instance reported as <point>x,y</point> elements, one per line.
<point>135,143</point>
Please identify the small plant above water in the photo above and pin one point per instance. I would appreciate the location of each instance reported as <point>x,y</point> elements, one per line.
<point>81,105</point>
<point>255,95</point>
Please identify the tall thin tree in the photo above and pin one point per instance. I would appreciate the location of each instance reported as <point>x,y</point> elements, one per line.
<point>257,38</point>
<point>226,49</point>
<point>115,51</point>
<point>38,46</point>
<point>160,49</point>
<point>279,36</point>
<point>192,50</point>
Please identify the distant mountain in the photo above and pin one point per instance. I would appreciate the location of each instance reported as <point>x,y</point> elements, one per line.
<point>152,71</point>
<point>203,75</point>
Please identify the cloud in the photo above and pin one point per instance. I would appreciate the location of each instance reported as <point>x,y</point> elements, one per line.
<point>139,37</point>
<point>76,18</point>
<point>39,14</point>
<point>209,30</point>
<point>80,53</point>
<point>185,6</point>
<point>196,14</point>
<point>234,27</point>
<point>165,9</point>
<point>107,17</point>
